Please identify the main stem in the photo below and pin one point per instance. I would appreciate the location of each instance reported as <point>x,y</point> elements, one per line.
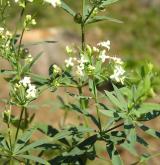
<point>19,124</point>
<point>97,109</point>
<point>83,26</point>
<point>83,36</point>
<point>82,103</point>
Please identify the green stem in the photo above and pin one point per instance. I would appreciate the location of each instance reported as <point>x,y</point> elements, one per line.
<point>89,14</point>
<point>82,105</point>
<point>83,36</point>
<point>9,135</point>
<point>26,118</point>
<point>111,129</point>
<point>20,41</point>
<point>97,109</point>
<point>83,26</point>
<point>19,124</point>
<point>83,43</point>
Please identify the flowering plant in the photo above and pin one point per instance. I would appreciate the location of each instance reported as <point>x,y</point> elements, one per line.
<point>108,117</point>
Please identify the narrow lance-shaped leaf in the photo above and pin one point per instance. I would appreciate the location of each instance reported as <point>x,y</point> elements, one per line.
<point>24,139</point>
<point>114,100</point>
<point>146,108</point>
<point>150,131</point>
<point>120,96</point>
<point>114,155</point>
<point>150,115</point>
<point>34,158</point>
<point>65,7</point>
<point>108,2</point>
<point>7,72</point>
<point>141,141</point>
<point>27,67</point>
<point>102,18</point>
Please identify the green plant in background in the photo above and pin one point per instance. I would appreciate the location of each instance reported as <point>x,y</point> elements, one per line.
<point>109,117</point>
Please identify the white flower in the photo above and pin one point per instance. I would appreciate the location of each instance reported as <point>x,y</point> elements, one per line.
<point>95,49</point>
<point>103,56</point>
<point>31,91</point>
<point>105,44</point>
<point>79,71</point>
<point>117,60</point>
<point>69,62</point>
<point>118,74</point>
<point>1,29</point>
<point>82,61</point>
<point>54,3</point>
<point>26,81</point>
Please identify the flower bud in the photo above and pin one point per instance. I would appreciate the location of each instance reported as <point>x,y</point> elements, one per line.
<point>78,18</point>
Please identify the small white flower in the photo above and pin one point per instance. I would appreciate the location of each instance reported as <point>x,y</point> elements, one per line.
<point>79,71</point>
<point>103,56</point>
<point>1,29</point>
<point>117,60</point>
<point>54,3</point>
<point>105,44</point>
<point>69,62</point>
<point>82,61</point>
<point>31,91</point>
<point>95,49</point>
<point>118,74</point>
<point>25,81</point>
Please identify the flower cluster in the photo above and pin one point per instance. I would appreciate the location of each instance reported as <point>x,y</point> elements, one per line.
<point>30,89</point>
<point>28,22</point>
<point>95,61</point>
<point>5,43</point>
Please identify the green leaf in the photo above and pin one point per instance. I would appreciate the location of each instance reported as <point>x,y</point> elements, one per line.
<point>142,141</point>
<point>147,107</point>
<point>34,158</point>
<point>126,145</point>
<point>120,97</point>
<point>108,2</point>
<point>24,139</point>
<point>116,137</point>
<point>28,66</point>
<point>7,72</point>
<point>39,42</point>
<point>114,155</point>
<point>92,87</point>
<point>39,80</point>
<point>65,7</point>
<point>150,115</point>
<point>149,131</point>
<point>102,18</point>
<point>32,146</point>
<point>114,100</point>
